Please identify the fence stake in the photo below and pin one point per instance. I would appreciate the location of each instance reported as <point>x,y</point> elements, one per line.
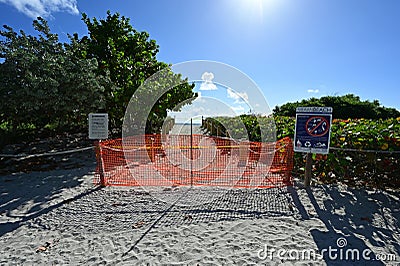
<point>152,150</point>
<point>191,152</point>
<point>243,153</point>
<point>102,178</point>
<point>308,170</point>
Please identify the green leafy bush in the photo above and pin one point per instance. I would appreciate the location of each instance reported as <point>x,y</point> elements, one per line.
<point>129,58</point>
<point>51,86</point>
<point>364,152</point>
<point>346,106</point>
<point>44,84</point>
<point>362,166</point>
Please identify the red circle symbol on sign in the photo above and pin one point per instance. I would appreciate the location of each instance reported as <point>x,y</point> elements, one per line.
<point>317,126</point>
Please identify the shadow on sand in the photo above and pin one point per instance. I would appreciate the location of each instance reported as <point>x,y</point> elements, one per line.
<point>23,196</point>
<point>355,220</point>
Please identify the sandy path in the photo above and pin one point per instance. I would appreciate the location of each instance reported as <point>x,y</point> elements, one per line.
<point>127,226</point>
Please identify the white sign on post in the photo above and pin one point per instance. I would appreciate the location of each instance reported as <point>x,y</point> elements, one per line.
<point>98,126</point>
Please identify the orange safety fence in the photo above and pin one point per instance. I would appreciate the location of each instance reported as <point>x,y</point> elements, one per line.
<point>172,160</point>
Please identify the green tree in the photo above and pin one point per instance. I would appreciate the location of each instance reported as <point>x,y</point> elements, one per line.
<point>346,106</point>
<point>43,82</point>
<point>129,56</point>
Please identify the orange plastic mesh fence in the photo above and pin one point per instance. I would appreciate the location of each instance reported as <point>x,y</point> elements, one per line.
<point>171,160</point>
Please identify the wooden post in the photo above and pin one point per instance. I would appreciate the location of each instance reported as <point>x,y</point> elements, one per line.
<point>101,165</point>
<point>152,150</point>
<point>308,170</point>
<point>191,151</point>
<point>243,153</point>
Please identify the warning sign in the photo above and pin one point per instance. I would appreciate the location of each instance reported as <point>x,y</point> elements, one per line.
<point>98,126</point>
<point>317,126</point>
<point>313,126</point>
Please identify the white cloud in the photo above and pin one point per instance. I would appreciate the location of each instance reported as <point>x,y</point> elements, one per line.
<point>313,91</point>
<point>239,97</point>
<point>238,109</point>
<point>207,76</point>
<point>207,84</point>
<point>43,8</point>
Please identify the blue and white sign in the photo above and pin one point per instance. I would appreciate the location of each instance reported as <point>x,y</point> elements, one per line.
<point>313,129</point>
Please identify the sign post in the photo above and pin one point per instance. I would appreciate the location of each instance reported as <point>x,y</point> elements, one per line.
<point>312,134</point>
<point>98,129</point>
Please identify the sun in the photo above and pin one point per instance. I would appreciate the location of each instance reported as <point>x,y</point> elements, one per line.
<point>257,9</point>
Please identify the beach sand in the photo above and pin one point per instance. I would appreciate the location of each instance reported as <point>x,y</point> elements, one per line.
<point>59,217</point>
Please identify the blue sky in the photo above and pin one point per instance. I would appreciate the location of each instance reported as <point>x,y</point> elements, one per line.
<point>292,49</point>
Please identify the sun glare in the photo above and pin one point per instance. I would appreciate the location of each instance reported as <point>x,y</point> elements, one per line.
<point>256,10</point>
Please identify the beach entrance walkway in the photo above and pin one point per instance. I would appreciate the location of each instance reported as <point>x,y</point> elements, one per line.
<point>184,159</point>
